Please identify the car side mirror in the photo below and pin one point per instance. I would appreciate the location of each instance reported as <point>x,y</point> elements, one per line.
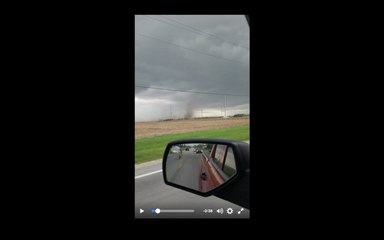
<point>204,166</point>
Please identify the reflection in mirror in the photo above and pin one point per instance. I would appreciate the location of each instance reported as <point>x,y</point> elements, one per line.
<point>200,166</point>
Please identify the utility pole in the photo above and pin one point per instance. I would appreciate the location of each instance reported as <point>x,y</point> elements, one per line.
<point>170,108</point>
<point>225,107</point>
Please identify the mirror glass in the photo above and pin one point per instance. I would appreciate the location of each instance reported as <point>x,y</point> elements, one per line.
<point>200,166</point>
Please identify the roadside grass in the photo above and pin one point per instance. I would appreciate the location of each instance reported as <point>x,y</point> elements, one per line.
<point>147,149</point>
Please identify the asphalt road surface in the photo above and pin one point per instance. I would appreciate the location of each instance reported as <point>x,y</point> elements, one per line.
<point>184,169</point>
<point>151,193</point>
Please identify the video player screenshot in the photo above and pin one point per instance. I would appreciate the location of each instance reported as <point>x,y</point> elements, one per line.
<point>192,116</point>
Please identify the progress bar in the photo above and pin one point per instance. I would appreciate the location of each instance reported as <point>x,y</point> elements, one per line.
<point>157,210</point>
<point>191,211</point>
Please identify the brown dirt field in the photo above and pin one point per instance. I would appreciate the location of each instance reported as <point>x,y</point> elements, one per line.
<point>151,129</point>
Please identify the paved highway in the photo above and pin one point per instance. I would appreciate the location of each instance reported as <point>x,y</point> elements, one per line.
<point>151,193</point>
<point>184,171</point>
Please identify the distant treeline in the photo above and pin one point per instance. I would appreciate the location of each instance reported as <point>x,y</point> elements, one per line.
<point>234,116</point>
<point>241,115</point>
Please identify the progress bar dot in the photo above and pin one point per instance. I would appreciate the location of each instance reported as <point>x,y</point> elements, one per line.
<point>157,210</point>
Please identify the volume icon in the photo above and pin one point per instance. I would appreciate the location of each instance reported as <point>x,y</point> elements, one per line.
<point>220,210</point>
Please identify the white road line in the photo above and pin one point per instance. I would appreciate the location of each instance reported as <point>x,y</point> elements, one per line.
<point>147,174</point>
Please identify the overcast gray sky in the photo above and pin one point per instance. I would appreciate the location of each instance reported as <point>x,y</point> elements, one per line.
<point>195,53</point>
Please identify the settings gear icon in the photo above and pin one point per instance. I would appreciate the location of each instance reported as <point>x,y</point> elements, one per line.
<point>229,210</point>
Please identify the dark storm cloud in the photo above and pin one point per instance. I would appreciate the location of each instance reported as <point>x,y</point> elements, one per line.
<point>162,65</point>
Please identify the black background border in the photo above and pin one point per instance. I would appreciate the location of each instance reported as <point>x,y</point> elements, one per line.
<point>79,118</point>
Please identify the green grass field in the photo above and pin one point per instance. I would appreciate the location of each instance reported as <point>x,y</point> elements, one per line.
<point>147,149</point>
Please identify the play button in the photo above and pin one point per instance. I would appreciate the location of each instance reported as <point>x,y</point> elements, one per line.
<point>141,210</point>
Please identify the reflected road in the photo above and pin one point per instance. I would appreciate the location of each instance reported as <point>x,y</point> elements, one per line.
<point>184,171</point>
